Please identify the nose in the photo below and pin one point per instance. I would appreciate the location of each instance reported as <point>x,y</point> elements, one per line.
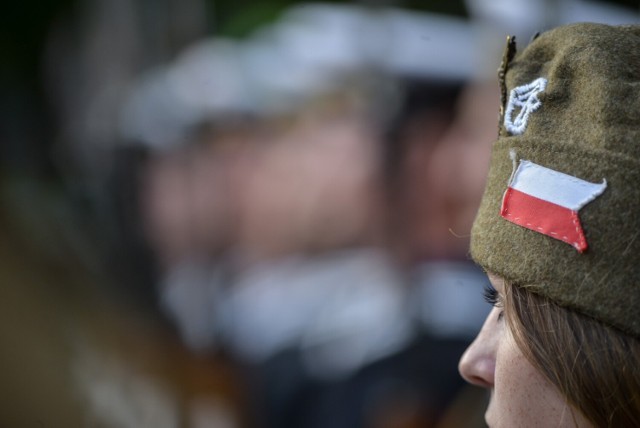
<point>477,364</point>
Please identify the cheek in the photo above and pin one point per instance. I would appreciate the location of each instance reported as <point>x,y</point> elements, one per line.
<point>522,395</point>
<point>515,377</point>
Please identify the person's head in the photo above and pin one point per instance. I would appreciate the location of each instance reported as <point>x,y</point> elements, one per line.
<point>550,366</point>
<point>558,232</point>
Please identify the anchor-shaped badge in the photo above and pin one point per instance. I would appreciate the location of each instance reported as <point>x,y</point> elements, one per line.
<point>526,98</point>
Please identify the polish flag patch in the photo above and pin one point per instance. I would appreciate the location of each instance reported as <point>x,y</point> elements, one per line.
<point>548,202</point>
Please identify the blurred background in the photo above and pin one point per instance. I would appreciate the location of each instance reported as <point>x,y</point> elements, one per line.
<point>248,214</point>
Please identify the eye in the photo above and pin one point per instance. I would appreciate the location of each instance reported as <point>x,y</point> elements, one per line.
<point>491,295</point>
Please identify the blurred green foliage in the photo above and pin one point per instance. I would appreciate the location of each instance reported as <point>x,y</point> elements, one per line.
<point>240,18</point>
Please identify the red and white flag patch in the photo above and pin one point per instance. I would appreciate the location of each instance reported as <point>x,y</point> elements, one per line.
<point>548,202</point>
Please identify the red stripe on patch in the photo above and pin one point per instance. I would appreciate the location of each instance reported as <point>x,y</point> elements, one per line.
<point>543,217</point>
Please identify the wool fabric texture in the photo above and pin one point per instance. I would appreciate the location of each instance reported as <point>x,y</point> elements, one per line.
<point>588,126</point>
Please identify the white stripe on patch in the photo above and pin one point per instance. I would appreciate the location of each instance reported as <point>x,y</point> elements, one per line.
<point>555,187</point>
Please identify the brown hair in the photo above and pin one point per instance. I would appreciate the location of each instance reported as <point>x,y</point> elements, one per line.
<point>594,366</point>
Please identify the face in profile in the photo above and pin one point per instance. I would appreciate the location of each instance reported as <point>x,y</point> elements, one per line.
<point>520,395</point>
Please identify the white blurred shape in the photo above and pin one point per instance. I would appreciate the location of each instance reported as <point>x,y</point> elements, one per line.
<point>342,310</point>
<point>524,18</point>
<point>152,115</point>
<point>188,293</point>
<point>428,46</point>
<point>304,54</point>
<point>206,81</point>
<point>448,298</point>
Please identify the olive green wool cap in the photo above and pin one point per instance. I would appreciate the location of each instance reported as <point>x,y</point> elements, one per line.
<point>570,116</point>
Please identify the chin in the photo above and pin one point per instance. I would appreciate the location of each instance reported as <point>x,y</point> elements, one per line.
<point>488,419</point>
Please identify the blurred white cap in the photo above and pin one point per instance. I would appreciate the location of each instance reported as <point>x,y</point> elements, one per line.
<point>495,19</point>
<point>205,81</point>
<point>425,45</point>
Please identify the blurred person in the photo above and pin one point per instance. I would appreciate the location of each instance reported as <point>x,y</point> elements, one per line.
<point>436,158</point>
<point>438,155</point>
<point>190,208</point>
<point>315,288</point>
<point>556,232</point>
<point>363,368</point>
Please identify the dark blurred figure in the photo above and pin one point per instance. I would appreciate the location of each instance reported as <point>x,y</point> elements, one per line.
<point>77,354</point>
<point>437,159</point>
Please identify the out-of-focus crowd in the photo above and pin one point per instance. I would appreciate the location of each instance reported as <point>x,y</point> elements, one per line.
<point>261,231</point>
